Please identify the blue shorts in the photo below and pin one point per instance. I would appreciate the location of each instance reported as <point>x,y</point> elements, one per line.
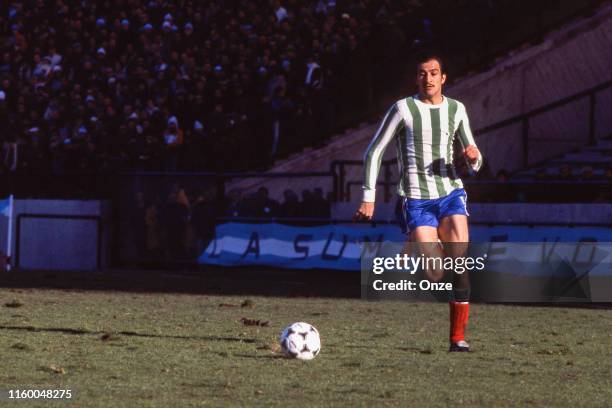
<point>419,213</point>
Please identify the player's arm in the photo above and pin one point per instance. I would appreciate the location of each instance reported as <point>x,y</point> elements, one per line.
<point>471,153</point>
<point>391,123</point>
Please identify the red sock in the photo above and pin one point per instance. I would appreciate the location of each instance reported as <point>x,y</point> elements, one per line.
<point>459,312</point>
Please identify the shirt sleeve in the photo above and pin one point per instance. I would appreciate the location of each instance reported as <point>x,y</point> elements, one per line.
<point>390,125</point>
<point>464,132</point>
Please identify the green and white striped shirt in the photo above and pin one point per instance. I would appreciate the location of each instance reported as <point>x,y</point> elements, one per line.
<point>424,135</point>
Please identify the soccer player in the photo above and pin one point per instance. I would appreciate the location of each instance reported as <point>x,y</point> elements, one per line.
<point>423,127</point>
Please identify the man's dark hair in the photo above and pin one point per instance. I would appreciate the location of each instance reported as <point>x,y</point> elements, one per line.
<point>428,56</point>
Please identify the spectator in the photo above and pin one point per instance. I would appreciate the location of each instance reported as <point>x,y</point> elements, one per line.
<point>280,12</point>
<point>291,205</point>
<point>153,232</point>
<point>173,138</point>
<point>565,172</point>
<point>502,176</point>
<point>587,173</point>
<point>139,224</point>
<point>234,206</point>
<point>306,205</point>
<point>203,219</point>
<point>262,205</point>
<point>249,82</point>
<point>9,156</point>
<point>175,217</point>
<point>504,192</point>
<point>541,174</point>
<point>321,207</point>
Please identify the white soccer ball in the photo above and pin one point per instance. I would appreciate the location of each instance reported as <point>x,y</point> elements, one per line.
<point>300,340</point>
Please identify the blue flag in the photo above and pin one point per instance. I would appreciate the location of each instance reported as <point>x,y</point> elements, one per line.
<point>5,206</point>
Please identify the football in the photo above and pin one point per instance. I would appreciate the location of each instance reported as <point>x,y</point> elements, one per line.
<point>300,340</point>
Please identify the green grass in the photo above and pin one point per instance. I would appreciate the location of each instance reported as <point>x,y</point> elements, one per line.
<point>165,350</point>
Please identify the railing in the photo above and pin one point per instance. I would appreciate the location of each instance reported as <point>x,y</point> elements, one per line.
<point>339,167</point>
<point>537,191</point>
<point>121,188</point>
<point>334,221</point>
<point>105,186</point>
<point>525,117</point>
<point>342,188</point>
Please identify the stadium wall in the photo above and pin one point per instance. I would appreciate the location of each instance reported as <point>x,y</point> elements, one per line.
<point>60,234</point>
<point>568,61</point>
<point>502,213</point>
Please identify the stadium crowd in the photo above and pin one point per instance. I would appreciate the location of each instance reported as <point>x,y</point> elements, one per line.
<point>96,86</point>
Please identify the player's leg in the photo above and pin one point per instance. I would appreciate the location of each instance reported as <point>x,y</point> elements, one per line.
<point>453,232</point>
<point>425,241</point>
<point>420,221</point>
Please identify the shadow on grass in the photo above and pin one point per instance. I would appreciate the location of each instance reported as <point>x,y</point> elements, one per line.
<point>266,357</point>
<point>413,349</point>
<point>261,281</point>
<point>64,330</point>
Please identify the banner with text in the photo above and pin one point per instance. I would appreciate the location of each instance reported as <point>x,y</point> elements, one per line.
<point>340,247</point>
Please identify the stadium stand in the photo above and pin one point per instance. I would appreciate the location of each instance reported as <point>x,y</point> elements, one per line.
<point>104,86</point>
<point>132,85</point>
<point>536,114</point>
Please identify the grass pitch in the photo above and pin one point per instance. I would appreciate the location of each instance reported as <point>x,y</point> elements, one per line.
<point>177,350</point>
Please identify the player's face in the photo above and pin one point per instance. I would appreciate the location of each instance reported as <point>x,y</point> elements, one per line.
<point>430,79</point>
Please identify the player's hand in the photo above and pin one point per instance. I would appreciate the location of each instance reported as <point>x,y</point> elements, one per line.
<point>472,153</point>
<point>365,212</point>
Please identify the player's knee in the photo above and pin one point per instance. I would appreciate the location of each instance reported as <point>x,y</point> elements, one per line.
<point>434,274</point>
<point>456,249</point>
